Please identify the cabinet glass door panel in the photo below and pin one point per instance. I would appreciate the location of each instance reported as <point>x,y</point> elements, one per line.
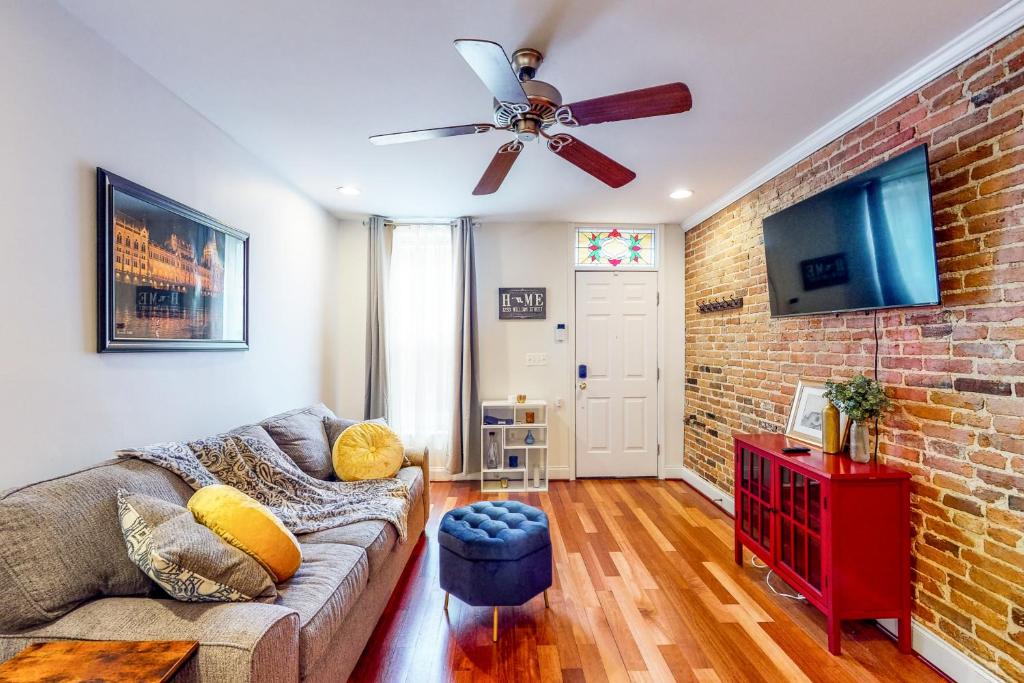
<point>755,497</point>
<point>766,525</point>
<point>814,561</point>
<point>786,491</point>
<point>766,480</point>
<point>786,543</point>
<point>814,505</point>
<point>800,510</point>
<point>799,498</point>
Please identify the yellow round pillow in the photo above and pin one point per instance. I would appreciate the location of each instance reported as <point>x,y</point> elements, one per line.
<point>248,525</point>
<point>367,450</point>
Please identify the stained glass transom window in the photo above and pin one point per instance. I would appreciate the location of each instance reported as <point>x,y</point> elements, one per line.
<point>616,248</point>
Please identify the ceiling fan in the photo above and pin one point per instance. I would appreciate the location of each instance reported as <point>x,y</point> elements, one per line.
<point>529,108</point>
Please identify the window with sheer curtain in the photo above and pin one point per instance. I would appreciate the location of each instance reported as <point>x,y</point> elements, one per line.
<point>421,336</point>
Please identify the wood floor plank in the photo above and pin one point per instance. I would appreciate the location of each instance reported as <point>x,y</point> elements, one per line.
<point>645,638</point>
<point>752,609</point>
<point>644,590</point>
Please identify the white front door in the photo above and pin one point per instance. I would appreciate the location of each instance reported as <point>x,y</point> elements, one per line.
<point>617,402</point>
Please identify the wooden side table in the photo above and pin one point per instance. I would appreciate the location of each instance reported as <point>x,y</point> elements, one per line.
<point>97,661</point>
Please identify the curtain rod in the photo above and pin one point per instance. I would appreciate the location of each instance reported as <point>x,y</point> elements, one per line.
<point>421,221</point>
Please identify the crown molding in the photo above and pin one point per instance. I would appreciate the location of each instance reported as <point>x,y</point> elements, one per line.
<point>992,28</point>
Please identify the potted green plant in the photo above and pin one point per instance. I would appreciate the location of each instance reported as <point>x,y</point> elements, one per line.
<point>861,399</point>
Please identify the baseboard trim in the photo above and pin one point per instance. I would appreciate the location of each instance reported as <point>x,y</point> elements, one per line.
<point>989,30</point>
<point>938,653</point>
<point>707,489</point>
<point>441,474</point>
<point>561,473</point>
<point>672,473</point>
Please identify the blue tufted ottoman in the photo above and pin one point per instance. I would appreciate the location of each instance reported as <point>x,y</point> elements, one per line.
<point>495,553</point>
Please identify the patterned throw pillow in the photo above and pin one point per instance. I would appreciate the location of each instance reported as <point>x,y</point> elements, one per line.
<point>187,560</point>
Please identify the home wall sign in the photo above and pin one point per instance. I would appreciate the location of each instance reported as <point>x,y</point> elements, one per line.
<point>522,303</point>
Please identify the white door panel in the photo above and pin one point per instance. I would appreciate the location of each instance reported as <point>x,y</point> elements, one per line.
<point>616,338</point>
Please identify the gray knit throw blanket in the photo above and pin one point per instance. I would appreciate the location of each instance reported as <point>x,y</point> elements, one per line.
<point>303,503</point>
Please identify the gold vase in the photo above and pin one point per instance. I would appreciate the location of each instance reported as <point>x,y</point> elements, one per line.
<point>830,436</point>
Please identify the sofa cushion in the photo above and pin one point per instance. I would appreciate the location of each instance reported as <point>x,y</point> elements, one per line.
<point>62,543</point>
<point>376,537</point>
<point>336,425</point>
<point>255,432</point>
<point>323,591</point>
<point>187,560</point>
<point>300,433</point>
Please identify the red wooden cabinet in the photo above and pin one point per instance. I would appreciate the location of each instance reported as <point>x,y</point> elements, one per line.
<point>836,530</point>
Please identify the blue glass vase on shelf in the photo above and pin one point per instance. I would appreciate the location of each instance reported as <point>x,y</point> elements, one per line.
<point>529,437</point>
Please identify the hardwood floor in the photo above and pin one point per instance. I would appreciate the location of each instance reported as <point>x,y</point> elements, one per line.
<point>645,589</point>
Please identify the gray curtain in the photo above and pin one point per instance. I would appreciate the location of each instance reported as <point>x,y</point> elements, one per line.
<point>376,336</point>
<point>465,404</point>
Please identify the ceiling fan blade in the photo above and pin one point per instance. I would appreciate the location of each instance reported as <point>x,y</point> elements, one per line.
<point>671,98</point>
<point>498,168</point>
<point>430,134</point>
<point>489,61</point>
<point>605,169</point>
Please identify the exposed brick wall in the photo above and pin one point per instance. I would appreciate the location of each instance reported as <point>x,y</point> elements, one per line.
<point>956,372</point>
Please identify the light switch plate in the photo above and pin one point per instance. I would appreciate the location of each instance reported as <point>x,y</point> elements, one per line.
<point>536,359</point>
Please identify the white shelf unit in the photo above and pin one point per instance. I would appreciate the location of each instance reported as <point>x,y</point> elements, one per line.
<point>531,460</point>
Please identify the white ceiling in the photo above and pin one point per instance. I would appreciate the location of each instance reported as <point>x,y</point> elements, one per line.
<point>302,84</point>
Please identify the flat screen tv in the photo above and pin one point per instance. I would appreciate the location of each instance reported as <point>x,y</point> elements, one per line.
<point>866,243</point>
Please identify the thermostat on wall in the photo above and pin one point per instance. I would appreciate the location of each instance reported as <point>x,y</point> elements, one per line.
<point>560,332</point>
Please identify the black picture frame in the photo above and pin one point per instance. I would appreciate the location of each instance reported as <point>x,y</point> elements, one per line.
<point>159,301</point>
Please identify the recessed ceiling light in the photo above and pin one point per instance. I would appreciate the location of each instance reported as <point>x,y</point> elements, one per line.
<point>681,193</point>
<point>349,190</point>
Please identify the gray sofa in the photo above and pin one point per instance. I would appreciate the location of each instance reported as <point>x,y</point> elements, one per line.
<point>65,571</point>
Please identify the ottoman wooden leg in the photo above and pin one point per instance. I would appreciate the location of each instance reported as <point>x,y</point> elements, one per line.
<point>495,636</point>
<point>546,603</point>
<point>446,601</point>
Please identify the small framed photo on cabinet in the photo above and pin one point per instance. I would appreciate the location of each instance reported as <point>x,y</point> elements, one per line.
<point>806,413</point>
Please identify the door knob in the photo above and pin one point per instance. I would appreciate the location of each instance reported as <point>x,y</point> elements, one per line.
<point>583,385</point>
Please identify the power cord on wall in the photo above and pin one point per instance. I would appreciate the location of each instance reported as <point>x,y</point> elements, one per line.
<point>876,379</point>
<point>768,580</point>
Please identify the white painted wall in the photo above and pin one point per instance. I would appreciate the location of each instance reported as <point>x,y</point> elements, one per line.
<point>521,255</point>
<point>526,255</point>
<point>348,341</point>
<point>539,255</point>
<point>673,367</point>
<point>72,103</point>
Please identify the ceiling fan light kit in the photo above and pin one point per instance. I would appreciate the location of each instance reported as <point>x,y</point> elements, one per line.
<point>527,108</point>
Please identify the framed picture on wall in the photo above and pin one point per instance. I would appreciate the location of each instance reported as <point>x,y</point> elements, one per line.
<point>169,277</point>
<point>805,415</point>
